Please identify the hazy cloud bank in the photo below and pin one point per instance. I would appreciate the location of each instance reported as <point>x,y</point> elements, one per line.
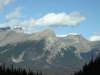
<point>15,14</point>
<point>4,3</point>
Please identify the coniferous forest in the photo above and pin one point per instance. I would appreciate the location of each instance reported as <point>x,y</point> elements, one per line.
<point>16,71</point>
<point>92,68</point>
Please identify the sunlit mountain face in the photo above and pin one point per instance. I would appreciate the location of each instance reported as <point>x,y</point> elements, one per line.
<point>42,51</point>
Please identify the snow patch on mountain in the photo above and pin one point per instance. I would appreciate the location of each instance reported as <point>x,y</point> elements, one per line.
<point>3,51</point>
<point>19,59</point>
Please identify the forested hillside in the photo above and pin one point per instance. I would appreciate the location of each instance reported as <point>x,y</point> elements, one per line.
<point>16,71</point>
<point>92,68</point>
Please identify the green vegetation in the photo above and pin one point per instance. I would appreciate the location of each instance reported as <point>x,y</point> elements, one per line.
<point>16,49</point>
<point>2,58</point>
<point>92,68</point>
<point>16,71</point>
<point>49,72</point>
<point>68,57</point>
<point>8,46</point>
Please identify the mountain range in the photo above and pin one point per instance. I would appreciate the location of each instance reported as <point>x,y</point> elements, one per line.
<point>44,50</point>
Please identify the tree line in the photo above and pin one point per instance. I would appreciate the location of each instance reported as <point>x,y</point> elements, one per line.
<point>92,68</point>
<point>16,71</point>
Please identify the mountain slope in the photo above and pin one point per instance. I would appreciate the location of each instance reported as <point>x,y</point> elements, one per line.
<point>84,47</point>
<point>11,37</point>
<point>92,68</point>
<point>33,54</point>
<point>44,50</point>
<point>38,50</point>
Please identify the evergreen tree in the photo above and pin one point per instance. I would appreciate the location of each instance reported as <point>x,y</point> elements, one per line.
<point>37,72</point>
<point>40,73</point>
<point>92,68</point>
<point>3,69</point>
<point>14,71</point>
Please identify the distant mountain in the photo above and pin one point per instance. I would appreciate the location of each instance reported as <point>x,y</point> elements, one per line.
<point>5,28</point>
<point>44,50</point>
<point>84,47</point>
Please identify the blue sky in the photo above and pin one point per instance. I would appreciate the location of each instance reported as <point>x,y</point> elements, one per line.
<point>62,16</point>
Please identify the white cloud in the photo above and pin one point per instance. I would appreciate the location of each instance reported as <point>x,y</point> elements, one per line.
<point>29,30</point>
<point>62,35</point>
<point>10,23</point>
<point>12,18</point>
<point>95,38</point>
<point>4,3</point>
<point>52,19</point>
<point>29,23</point>
<point>15,14</point>
<point>67,34</point>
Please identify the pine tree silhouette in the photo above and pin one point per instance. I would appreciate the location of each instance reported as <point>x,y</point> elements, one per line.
<point>92,68</point>
<point>16,71</point>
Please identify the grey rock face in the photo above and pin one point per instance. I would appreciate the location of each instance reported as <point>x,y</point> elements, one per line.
<point>44,49</point>
<point>10,37</point>
<point>81,44</point>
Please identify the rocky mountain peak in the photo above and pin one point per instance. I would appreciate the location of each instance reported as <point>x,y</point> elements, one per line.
<point>43,34</point>
<point>74,36</point>
<point>47,32</point>
<point>44,47</point>
<point>18,29</point>
<point>52,43</point>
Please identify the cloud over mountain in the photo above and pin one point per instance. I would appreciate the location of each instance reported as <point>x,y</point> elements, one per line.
<point>62,35</point>
<point>50,19</point>
<point>53,19</point>
<point>10,23</point>
<point>95,38</point>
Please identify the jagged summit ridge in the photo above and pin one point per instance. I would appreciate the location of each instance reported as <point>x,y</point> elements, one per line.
<point>43,34</point>
<point>43,47</point>
<point>18,29</point>
<point>52,43</point>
